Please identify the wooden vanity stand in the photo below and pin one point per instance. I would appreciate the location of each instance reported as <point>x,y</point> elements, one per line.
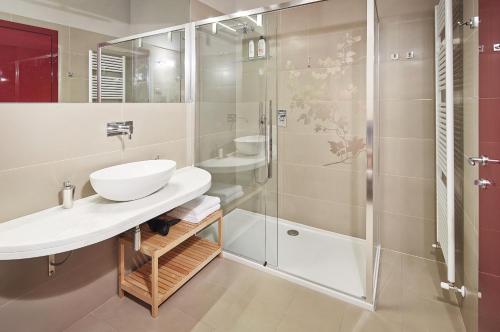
<point>175,258</point>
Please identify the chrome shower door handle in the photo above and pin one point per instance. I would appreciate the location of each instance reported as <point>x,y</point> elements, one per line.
<point>482,161</point>
<point>269,151</point>
<point>483,183</point>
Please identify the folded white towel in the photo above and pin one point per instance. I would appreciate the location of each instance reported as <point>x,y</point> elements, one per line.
<point>194,218</point>
<point>224,190</point>
<point>229,199</point>
<point>199,205</point>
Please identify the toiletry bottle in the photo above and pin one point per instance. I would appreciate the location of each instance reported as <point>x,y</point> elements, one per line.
<point>261,47</point>
<point>251,49</point>
<point>68,195</point>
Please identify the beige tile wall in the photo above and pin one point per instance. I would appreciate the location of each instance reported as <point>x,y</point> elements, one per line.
<point>74,45</point>
<point>407,138</point>
<point>43,145</point>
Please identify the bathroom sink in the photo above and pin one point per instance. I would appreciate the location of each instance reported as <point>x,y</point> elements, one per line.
<point>250,145</point>
<point>128,182</point>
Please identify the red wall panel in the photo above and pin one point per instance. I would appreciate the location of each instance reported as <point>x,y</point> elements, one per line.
<point>28,63</point>
<point>489,145</point>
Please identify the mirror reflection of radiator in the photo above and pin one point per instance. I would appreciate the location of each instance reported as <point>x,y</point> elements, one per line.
<point>112,78</point>
<point>445,185</point>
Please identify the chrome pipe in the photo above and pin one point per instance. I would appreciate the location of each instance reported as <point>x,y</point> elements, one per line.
<point>270,142</point>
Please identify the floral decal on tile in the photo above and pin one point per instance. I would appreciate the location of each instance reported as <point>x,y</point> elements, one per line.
<point>311,100</point>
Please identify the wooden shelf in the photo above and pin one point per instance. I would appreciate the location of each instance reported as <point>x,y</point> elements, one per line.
<point>153,243</point>
<point>175,268</point>
<point>175,259</point>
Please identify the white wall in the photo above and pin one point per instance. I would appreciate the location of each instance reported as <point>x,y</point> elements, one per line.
<point>110,17</point>
<point>156,14</point>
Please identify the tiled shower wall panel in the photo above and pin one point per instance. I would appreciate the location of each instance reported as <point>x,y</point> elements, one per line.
<point>321,73</point>
<point>407,131</point>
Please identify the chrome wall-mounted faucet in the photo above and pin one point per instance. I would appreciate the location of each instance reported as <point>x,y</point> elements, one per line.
<point>120,128</point>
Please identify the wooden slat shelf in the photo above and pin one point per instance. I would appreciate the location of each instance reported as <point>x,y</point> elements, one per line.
<point>152,243</point>
<point>175,259</point>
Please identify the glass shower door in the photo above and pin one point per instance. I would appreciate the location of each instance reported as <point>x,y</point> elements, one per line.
<point>234,103</point>
<point>322,126</point>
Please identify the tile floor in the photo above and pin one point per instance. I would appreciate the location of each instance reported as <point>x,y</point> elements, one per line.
<point>227,296</point>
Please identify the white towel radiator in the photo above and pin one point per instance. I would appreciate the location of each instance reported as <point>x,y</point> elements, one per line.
<point>444,134</point>
<point>112,78</point>
<point>445,165</point>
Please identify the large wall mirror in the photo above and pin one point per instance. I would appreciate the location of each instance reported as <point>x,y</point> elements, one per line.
<point>48,50</point>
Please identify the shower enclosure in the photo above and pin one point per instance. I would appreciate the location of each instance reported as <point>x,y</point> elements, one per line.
<point>153,68</point>
<point>289,136</point>
<point>289,132</point>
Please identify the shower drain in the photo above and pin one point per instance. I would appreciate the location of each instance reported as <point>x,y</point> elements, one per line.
<point>292,232</point>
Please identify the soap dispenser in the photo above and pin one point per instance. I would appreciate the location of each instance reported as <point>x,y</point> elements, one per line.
<point>68,195</point>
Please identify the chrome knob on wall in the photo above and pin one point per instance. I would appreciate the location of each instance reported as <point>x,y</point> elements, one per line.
<point>483,183</point>
<point>482,161</point>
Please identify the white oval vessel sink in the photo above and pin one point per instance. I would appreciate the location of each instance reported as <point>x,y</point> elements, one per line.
<point>250,145</point>
<point>132,181</point>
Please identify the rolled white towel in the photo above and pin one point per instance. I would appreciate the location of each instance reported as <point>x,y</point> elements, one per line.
<point>194,218</point>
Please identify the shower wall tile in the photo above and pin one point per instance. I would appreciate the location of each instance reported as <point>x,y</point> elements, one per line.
<point>401,36</point>
<point>214,117</point>
<point>327,215</point>
<point>248,117</point>
<point>325,183</point>
<point>337,14</point>
<point>45,132</point>
<point>408,157</point>
<point>314,150</point>
<point>411,235</point>
<point>407,196</point>
<point>155,123</point>
<point>407,119</point>
<point>407,80</point>
<point>409,9</point>
<point>326,117</point>
<point>407,128</point>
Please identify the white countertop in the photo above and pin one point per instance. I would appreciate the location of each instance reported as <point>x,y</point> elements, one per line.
<point>94,219</point>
